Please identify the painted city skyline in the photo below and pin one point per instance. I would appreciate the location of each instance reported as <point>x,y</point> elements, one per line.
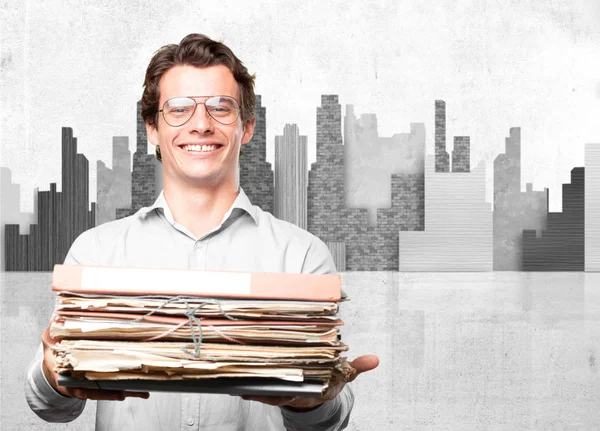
<point>529,64</point>
<point>380,203</point>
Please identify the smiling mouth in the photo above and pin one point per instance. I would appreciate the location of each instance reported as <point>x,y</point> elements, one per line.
<point>201,148</point>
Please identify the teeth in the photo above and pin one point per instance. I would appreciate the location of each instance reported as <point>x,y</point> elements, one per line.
<point>200,148</point>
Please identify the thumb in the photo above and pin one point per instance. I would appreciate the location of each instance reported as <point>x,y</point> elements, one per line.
<point>363,364</point>
<point>47,339</point>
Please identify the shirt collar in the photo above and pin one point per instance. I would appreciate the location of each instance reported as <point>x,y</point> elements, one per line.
<point>241,201</point>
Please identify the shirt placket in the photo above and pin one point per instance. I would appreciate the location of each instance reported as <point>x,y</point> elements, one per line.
<point>197,259</point>
<point>190,412</point>
<point>190,406</point>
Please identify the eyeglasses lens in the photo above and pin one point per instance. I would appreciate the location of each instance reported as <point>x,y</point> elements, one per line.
<point>179,110</point>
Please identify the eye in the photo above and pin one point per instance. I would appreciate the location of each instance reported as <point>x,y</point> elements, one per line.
<point>179,110</point>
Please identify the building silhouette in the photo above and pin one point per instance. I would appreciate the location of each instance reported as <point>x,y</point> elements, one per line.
<point>291,176</point>
<point>62,216</point>
<point>442,159</point>
<point>458,224</point>
<point>114,185</point>
<point>145,178</point>
<point>256,175</point>
<point>370,161</point>
<point>592,207</point>
<point>327,215</point>
<point>514,210</point>
<point>461,154</point>
<point>458,220</point>
<point>561,246</point>
<point>10,210</point>
<point>407,213</point>
<point>355,245</point>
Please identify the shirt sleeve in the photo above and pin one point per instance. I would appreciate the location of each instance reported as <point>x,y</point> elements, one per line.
<point>41,397</point>
<point>318,259</point>
<point>333,414</point>
<point>46,402</point>
<point>329,416</point>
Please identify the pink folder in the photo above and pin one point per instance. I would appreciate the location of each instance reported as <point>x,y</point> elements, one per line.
<point>212,284</point>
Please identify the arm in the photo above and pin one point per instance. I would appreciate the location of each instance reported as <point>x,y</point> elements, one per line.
<point>44,399</point>
<point>331,415</point>
<point>335,413</point>
<point>330,411</point>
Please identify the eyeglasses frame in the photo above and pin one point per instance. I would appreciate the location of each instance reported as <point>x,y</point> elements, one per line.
<point>239,108</point>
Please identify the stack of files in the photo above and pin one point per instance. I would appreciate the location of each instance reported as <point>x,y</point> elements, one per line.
<point>197,331</point>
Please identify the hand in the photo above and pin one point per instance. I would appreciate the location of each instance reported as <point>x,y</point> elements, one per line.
<point>303,403</point>
<point>81,393</point>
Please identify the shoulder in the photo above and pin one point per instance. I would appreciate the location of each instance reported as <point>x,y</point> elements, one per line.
<point>317,257</point>
<point>86,248</point>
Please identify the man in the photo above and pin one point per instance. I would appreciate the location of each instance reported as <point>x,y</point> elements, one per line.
<point>198,106</point>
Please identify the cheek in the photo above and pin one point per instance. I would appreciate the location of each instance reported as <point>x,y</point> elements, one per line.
<point>167,136</point>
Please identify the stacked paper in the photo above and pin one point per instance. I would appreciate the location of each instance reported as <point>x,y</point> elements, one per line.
<point>200,331</point>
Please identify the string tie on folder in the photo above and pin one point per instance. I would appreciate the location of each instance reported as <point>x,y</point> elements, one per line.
<point>196,340</point>
<point>204,302</point>
<point>193,321</point>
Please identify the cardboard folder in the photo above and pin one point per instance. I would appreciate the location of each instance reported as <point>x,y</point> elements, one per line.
<point>213,284</point>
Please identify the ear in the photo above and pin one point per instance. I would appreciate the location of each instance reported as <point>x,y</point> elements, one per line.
<point>248,131</point>
<point>152,134</point>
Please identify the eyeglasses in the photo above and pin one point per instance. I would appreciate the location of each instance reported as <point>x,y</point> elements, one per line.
<point>178,110</point>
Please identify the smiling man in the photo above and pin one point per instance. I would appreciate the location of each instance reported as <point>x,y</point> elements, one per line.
<point>198,106</point>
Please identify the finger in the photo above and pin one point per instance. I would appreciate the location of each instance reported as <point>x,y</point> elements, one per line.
<point>144,395</point>
<point>363,364</point>
<point>96,394</point>
<point>274,401</point>
<point>77,393</point>
<point>47,340</point>
<point>99,394</point>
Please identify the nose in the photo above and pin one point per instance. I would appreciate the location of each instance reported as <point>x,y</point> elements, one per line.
<point>201,121</point>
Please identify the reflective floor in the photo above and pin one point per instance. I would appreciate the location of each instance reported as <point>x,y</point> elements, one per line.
<point>481,351</point>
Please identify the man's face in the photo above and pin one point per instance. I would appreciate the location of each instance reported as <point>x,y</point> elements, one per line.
<point>182,162</point>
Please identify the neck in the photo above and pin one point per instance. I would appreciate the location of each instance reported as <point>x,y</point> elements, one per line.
<point>200,209</point>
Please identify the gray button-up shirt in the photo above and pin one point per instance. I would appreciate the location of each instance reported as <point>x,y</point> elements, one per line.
<point>248,239</point>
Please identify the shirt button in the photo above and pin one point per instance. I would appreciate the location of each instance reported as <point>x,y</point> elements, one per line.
<point>198,245</point>
<point>190,421</point>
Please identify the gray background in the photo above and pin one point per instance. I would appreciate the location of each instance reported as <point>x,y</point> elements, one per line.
<point>459,351</point>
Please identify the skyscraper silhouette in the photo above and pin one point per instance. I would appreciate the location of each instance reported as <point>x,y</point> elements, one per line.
<point>347,230</point>
<point>62,216</point>
<point>592,207</point>
<point>561,246</point>
<point>10,210</point>
<point>327,216</point>
<point>291,176</point>
<point>514,210</point>
<point>461,154</point>
<point>256,175</point>
<point>114,185</point>
<point>442,159</point>
<point>143,178</point>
